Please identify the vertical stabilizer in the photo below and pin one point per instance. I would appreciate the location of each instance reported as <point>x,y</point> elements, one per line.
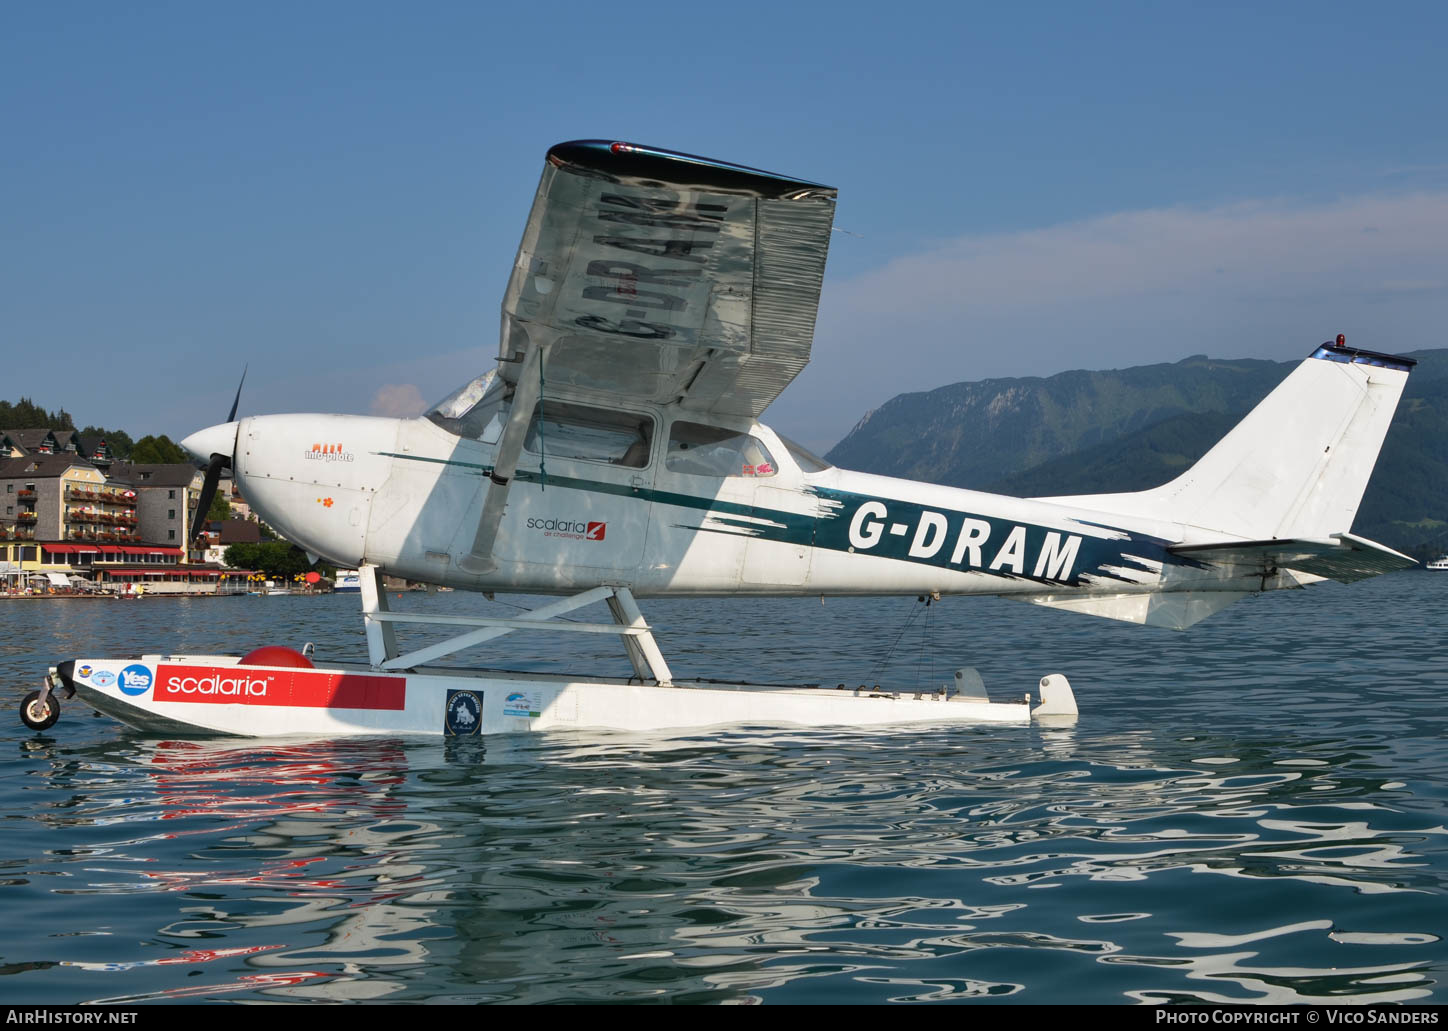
<point>1297,465</point>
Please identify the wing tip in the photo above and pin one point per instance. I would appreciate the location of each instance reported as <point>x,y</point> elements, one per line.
<point>1340,352</point>
<point>633,161</point>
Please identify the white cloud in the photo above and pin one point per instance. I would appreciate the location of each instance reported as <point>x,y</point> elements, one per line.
<point>398,400</point>
<point>1267,279</point>
<point>1252,248</point>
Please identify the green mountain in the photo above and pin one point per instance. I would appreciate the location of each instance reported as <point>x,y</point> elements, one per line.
<point>1130,429</point>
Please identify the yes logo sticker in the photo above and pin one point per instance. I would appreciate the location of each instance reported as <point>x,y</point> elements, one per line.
<point>136,679</point>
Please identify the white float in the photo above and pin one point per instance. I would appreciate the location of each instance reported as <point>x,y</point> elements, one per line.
<point>398,693</point>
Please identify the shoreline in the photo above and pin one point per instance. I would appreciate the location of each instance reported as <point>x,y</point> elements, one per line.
<point>148,596</point>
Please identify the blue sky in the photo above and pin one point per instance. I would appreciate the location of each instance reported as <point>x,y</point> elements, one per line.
<point>334,192</point>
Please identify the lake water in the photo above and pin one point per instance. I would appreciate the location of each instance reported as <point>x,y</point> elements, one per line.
<point>1250,811</point>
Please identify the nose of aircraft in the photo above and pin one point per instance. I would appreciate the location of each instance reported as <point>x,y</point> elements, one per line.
<point>214,440</point>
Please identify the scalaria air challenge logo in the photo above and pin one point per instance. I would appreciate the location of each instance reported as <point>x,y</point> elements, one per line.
<point>573,529</point>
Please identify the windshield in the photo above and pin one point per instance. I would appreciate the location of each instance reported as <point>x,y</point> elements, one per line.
<point>807,460</point>
<point>701,450</point>
<point>475,410</point>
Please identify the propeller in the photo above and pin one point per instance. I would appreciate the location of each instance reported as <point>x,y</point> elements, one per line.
<point>217,463</point>
<point>237,399</point>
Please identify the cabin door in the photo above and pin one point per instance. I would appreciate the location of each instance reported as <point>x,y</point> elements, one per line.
<point>580,498</point>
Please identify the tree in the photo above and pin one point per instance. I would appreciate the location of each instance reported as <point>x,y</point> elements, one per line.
<point>279,560</point>
<point>119,441</point>
<point>220,508</point>
<point>160,450</point>
<point>26,414</point>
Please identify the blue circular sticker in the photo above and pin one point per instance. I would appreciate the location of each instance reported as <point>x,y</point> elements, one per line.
<point>136,679</point>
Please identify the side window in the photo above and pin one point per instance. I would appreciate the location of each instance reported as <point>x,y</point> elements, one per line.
<point>616,437</point>
<point>712,451</point>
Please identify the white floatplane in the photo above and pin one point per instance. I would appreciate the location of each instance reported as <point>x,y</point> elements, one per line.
<point>658,304</point>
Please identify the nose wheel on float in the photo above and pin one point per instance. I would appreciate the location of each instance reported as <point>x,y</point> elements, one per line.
<point>40,709</point>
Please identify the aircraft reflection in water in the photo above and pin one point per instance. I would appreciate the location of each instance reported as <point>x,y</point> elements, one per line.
<point>604,867</point>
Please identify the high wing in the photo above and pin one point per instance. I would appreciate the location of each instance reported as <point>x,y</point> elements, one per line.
<point>664,277</point>
<point>648,275</point>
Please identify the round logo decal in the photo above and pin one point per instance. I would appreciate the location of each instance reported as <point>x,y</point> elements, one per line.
<point>464,714</point>
<point>83,671</point>
<point>102,678</point>
<point>136,679</point>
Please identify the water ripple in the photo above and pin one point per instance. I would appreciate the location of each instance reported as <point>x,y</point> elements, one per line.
<point>1275,836</point>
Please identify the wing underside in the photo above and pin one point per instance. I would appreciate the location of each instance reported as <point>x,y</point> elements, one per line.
<point>661,277</point>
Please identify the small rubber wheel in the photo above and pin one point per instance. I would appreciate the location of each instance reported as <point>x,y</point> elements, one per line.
<point>37,714</point>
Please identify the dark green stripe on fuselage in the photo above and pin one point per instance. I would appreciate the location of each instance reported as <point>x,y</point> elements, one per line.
<point>1001,547</point>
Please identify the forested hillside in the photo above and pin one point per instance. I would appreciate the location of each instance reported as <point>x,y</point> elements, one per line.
<point>1130,429</point>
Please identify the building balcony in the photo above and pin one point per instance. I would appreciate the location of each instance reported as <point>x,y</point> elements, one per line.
<point>26,517</point>
<point>104,496</point>
<point>25,495</point>
<point>80,515</point>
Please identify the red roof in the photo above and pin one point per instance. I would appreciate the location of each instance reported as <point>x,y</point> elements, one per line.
<point>111,549</point>
<point>118,549</point>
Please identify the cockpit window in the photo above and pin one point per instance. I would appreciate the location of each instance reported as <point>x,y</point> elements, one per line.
<point>475,410</point>
<point>701,450</point>
<point>615,436</point>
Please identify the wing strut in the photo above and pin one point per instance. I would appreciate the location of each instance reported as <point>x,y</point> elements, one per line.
<point>628,623</point>
<point>529,387</point>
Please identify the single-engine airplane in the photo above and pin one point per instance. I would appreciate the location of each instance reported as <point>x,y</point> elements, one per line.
<point>658,303</point>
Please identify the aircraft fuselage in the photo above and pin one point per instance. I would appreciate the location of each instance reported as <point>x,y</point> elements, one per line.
<point>405,495</point>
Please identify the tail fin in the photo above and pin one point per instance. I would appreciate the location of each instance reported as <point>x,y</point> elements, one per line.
<point>1297,465</point>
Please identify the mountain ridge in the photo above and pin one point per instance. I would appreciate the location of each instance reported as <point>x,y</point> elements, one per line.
<point>1118,430</point>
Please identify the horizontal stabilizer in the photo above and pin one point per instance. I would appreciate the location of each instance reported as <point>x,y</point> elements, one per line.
<point>1175,610</point>
<point>1343,557</point>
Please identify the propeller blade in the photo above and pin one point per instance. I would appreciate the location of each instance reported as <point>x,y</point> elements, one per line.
<point>208,491</point>
<point>237,400</point>
<point>214,467</point>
